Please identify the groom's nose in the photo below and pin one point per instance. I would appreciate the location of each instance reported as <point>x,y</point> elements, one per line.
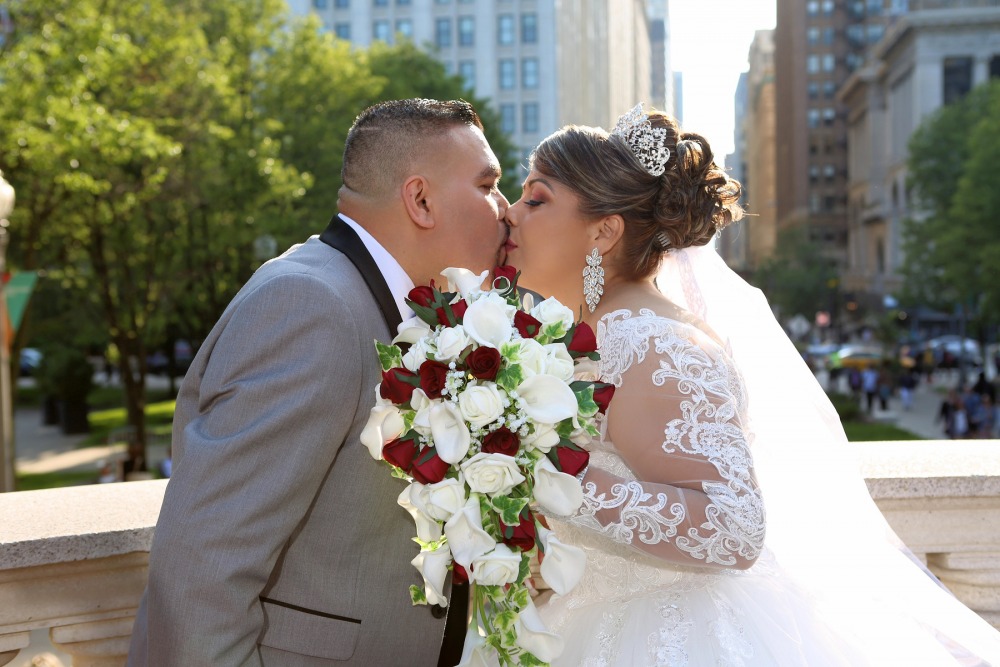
<point>502,204</point>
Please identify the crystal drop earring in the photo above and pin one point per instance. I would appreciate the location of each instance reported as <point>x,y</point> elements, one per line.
<point>593,280</point>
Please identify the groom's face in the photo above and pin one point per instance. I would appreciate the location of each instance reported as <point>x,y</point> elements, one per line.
<point>468,206</point>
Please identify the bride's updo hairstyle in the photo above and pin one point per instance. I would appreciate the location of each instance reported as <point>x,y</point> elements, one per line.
<point>685,206</point>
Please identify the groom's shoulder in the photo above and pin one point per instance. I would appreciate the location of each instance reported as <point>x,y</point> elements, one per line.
<point>311,258</point>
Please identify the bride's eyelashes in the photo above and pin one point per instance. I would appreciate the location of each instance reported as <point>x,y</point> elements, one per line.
<point>533,203</point>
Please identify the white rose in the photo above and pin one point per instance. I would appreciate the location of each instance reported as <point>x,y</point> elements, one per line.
<point>428,529</point>
<point>492,474</point>
<point>451,342</point>
<point>547,399</point>
<point>533,637</point>
<point>433,567</point>
<point>496,568</point>
<point>532,357</point>
<point>551,311</point>
<point>463,281</point>
<point>443,499</point>
<point>587,370</point>
<point>488,320</point>
<point>385,424</point>
<point>557,493</point>
<point>451,435</point>
<point>481,404</point>
<point>465,533</point>
<point>416,355</point>
<point>580,437</point>
<point>422,407</point>
<point>558,362</point>
<point>411,330</point>
<point>563,565</point>
<point>542,438</point>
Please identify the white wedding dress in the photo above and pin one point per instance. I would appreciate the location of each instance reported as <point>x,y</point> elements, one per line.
<point>679,568</point>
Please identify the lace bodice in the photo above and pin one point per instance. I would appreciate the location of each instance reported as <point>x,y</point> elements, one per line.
<point>672,475</point>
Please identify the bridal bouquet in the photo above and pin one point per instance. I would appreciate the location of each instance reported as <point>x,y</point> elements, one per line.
<point>479,411</point>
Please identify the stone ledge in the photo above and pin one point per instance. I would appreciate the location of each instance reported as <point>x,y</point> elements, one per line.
<point>77,523</point>
<point>931,468</point>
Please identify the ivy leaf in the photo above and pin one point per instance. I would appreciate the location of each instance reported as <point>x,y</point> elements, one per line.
<point>526,659</point>
<point>585,400</point>
<point>510,377</point>
<point>505,620</point>
<point>417,595</point>
<point>524,570</point>
<point>509,509</point>
<point>521,597</point>
<point>389,356</point>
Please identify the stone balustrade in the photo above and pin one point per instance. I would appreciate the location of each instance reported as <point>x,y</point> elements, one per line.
<point>74,560</point>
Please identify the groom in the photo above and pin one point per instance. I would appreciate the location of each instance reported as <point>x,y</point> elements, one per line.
<point>280,541</point>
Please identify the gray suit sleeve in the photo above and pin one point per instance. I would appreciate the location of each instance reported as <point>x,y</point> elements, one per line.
<point>276,400</point>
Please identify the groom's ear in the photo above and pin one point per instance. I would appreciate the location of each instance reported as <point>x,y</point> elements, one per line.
<point>415,192</point>
<point>608,231</point>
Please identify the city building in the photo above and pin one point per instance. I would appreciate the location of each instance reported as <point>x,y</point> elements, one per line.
<point>733,243</point>
<point>817,45</point>
<point>929,57</point>
<point>760,129</point>
<point>541,63</point>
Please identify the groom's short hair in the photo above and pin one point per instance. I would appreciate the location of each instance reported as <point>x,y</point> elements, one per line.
<point>386,138</point>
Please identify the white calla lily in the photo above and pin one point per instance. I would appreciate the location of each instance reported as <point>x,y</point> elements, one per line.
<point>475,652</point>
<point>411,330</point>
<point>543,438</point>
<point>465,533</point>
<point>428,530</point>
<point>449,431</point>
<point>547,399</point>
<point>433,567</point>
<point>464,281</point>
<point>488,320</point>
<point>385,424</point>
<point>534,637</point>
<point>556,492</point>
<point>563,564</point>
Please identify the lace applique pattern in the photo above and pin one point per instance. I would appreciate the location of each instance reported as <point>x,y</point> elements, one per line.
<point>712,409</point>
<point>667,645</point>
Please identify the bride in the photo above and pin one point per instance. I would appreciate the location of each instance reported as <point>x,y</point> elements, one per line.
<point>723,522</point>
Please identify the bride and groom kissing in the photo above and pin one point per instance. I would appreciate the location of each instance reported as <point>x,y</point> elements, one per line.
<point>280,543</point>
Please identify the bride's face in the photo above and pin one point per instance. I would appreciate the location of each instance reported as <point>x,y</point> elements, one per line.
<point>549,239</point>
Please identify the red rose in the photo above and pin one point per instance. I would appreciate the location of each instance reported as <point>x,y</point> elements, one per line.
<point>432,377</point>
<point>457,309</point>
<point>603,393</point>
<point>400,453</point>
<point>584,341</point>
<point>526,325</point>
<point>428,468</point>
<point>572,461</point>
<point>422,296</point>
<point>398,385</point>
<point>484,363</point>
<point>502,441</point>
<point>522,535</point>
<point>459,575</point>
<point>505,271</point>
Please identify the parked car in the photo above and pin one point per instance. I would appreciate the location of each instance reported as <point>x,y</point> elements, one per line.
<point>859,356</point>
<point>947,350</point>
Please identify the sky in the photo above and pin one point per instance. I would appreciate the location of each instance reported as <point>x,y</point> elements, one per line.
<point>709,44</point>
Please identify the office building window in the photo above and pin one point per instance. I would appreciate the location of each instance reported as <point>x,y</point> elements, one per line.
<point>381,3</point>
<point>507,74</point>
<point>508,118</point>
<point>814,203</point>
<point>829,173</point>
<point>812,118</point>
<point>813,88</point>
<point>829,89</point>
<point>529,73</point>
<point>875,32</point>
<point>442,2</point>
<point>405,27</point>
<point>466,31</point>
<point>402,2</point>
<point>875,7</point>
<point>529,28</point>
<point>957,78</point>
<point>341,4</point>
<point>529,117</point>
<point>995,67</point>
<point>812,7</point>
<point>505,29</point>
<point>856,34</point>
<point>381,31</point>
<point>320,4</point>
<point>442,33</point>
<point>829,115</point>
<point>829,62</point>
<point>467,70</point>
<point>812,64</point>
<point>342,31</point>
<point>828,35</point>
<point>814,173</point>
<point>812,35</point>
<point>827,7</point>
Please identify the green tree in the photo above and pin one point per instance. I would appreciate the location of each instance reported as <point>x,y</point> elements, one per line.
<point>798,278</point>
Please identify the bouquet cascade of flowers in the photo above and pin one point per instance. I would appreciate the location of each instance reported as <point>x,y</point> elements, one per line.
<point>479,410</point>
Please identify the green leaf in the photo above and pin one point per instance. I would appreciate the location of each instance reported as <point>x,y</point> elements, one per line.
<point>505,620</point>
<point>509,509</point>
<point>389,356</point>
<point>585,401</point>
<point>523,571</point>
<point>418,595</point>
<point>428,315</point>
<point>511,352</point>
<point>521,596</point>
<point>510,377</point>
<point>526,659</point>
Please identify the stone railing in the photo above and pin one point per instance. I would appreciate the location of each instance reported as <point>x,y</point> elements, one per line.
<point>74,560</point>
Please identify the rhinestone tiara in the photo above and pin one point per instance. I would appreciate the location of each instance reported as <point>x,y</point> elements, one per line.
<point>645,142</point>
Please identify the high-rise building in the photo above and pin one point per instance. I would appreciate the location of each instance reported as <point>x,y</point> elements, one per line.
<point>733,241</point>
<point>818,44</point>
<point>760,128</point>
<point>542,64</point>
<point>931,56</point>
<point>662,85</point>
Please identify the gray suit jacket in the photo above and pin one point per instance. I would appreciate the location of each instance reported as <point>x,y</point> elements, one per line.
<point>280,541</point>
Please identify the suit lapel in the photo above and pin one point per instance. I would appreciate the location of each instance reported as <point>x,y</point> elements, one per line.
<point>339,235</point>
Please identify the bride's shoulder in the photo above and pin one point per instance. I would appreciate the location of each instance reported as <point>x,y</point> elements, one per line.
<point>657,320</point>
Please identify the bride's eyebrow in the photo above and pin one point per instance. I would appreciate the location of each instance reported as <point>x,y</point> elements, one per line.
<point>528,184</point>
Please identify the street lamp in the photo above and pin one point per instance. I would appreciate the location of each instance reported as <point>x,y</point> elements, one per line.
<point>6,413</point>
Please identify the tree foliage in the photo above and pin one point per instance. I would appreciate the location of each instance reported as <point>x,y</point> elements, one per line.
<point>151,144</point>
<point>798,278</point>
<point>951,240</point>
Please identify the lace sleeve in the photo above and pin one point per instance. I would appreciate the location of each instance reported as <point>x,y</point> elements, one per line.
<point>678,422</point>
